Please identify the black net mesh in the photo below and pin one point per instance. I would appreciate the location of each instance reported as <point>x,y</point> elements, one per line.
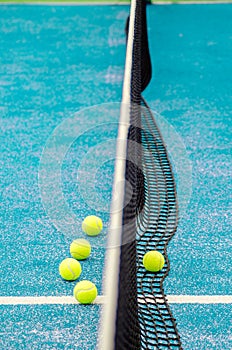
<point>155,227</point>
<point>144,319</point>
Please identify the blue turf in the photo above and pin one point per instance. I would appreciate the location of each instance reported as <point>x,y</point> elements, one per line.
<point>62,327</point>
<point>205,327</point>
<point>190,49</point>
<point>53,65</point>
<point>49,327</point>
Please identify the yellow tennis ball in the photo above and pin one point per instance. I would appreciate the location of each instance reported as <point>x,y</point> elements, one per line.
<point>80,249</point>
<point>153,261</point>
<point>92,225</point>
<point>70,269</point>
<point>85,292</point>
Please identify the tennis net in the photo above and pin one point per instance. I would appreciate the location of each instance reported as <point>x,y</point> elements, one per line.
<point>144,214</point>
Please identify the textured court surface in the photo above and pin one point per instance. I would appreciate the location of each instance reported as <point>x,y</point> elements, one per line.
<point>68,58</point>
<point>191,89</point>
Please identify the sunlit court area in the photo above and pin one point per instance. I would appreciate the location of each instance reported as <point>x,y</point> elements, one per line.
<point>115,175</point>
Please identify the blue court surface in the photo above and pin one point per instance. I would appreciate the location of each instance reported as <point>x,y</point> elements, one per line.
<point>58,62</point>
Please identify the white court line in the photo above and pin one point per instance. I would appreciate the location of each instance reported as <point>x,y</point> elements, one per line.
<point>67,300</point>
<point>199,2</point>
<point>71,3</point>
<point>114,3</point>
<point>44,300</point>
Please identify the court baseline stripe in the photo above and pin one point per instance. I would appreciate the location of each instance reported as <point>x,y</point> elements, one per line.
<point>65,300</point>
<point>112,3</point>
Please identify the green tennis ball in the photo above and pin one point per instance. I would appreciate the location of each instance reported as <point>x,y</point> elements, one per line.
<point>153,261</point>
<point>80,249</point>
<point>85,292</point>
<point>92,225</point>
<point>70,269</point>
